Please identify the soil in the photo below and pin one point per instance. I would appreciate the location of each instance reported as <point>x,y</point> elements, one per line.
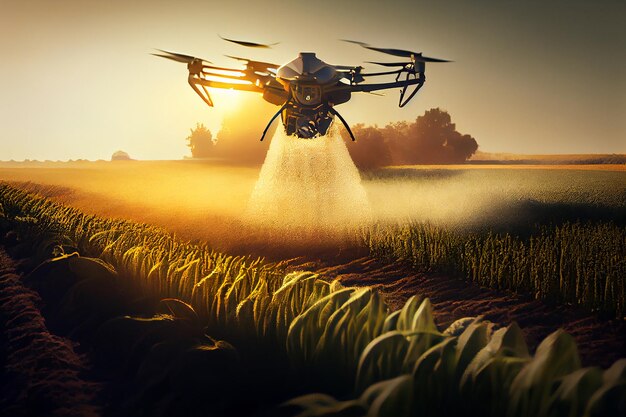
<point>600,341</point>
<point>41,373</point>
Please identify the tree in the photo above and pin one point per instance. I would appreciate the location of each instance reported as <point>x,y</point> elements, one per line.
<point>463,147</point>
<point>370,150</point>
<point>431,139</point>
<point>200,142</point>
<point>396,135</point>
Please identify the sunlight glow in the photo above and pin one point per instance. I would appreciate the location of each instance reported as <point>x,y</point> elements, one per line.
<point>229,73</point>
<point>227,99</point>
<point>226,80</point>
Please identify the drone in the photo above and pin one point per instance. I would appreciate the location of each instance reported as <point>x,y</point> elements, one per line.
<point>306,88</point>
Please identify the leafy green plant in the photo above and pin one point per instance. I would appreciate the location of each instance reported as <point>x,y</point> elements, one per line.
<point>344,341</point>
<point>578,263</point>
<point>485,373</point>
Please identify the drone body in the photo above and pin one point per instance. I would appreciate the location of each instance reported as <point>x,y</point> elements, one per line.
<point>307,89</point>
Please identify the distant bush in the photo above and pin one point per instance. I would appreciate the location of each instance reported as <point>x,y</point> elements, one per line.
<point>120,156</point>
<point>370,150</point>
<point>431,139</point>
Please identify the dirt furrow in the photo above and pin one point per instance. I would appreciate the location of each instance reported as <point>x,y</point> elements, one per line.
<point>40,372</point>
<point>601,342</point>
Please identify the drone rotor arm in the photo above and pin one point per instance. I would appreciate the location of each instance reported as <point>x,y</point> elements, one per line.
<point>201,85</point>
<point>376,74</point>
<point>384,86</point>
<point>208,68</point>
<point>248,86</point>
<point>237,76</point>
<point>417,81</point>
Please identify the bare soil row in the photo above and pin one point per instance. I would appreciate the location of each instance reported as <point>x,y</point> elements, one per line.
<point>41,373</point>
<point>600,341</point>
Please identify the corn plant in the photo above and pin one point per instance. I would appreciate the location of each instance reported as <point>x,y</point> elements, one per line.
<point>346,340</point>
<point>582,264</point>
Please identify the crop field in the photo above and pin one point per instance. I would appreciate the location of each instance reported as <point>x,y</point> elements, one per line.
<point>190,296</point>
<point>203,200</point>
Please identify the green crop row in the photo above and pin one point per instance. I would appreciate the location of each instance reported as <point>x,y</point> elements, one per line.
<point>582,264</point>
<point>341,341</point>
<point>423,372</point>
<point>239,298</point>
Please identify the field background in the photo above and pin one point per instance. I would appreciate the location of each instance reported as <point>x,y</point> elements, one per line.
<point>207,200</point>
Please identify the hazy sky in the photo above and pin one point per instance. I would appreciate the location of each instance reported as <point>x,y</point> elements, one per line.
<point>77,79</point>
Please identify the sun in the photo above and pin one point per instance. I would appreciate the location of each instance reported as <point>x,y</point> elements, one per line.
<point>226,99</point>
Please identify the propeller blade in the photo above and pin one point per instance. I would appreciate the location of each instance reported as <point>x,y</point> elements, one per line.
<point>237,58</point>
<point>421,58</point>
<point>355,42</point>
<point>257,65</point>
<point>399,52</point>
<point>249,44</point>
<point>389,64</point>
<point>391,51</point>
<point>416,56</point>
<point>179,57</point>
<point>169,57</point>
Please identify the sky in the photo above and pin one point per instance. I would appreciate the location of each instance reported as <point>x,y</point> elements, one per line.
<point>77,80</point>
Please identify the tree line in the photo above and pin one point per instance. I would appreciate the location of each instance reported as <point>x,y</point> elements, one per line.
<point>431,139</point>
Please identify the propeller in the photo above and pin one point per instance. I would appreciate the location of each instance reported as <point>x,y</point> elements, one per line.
<point>174,56</point>
<point>249,44</point>
<point>256,65</point>
<point>195,65</point>
<point>389,64</point>
<point>363,44</point>
<point>416,56</point>
<point>421,58</point>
